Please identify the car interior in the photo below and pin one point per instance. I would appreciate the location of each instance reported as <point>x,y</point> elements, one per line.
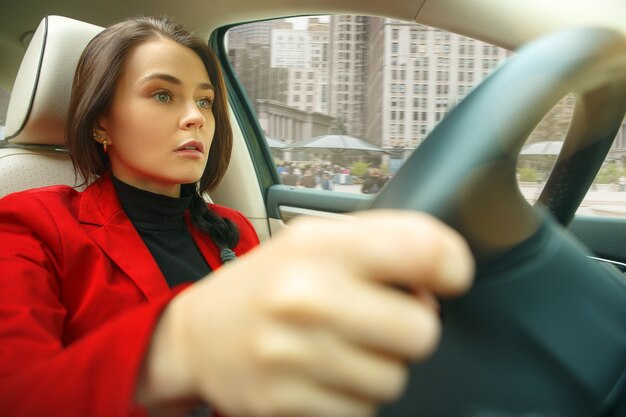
<point>543,331</point>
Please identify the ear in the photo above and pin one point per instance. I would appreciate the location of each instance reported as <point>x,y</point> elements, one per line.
<point>100,130</point>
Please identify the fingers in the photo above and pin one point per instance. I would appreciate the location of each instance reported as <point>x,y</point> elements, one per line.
<point>317,354</point>
<point>338,282</point>
<point>312,324</point>
<point>379,317</point>
<point>396,247</point>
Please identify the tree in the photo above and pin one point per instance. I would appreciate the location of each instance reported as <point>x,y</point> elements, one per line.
<point>554,124</point>
<point>359,168</point>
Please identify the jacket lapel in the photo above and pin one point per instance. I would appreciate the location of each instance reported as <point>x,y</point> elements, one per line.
<point>118,239</point>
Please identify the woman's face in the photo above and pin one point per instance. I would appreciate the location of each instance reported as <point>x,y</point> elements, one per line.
<point>160,125</point>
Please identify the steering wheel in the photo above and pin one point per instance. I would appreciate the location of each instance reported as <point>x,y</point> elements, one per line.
<point>543,330</point>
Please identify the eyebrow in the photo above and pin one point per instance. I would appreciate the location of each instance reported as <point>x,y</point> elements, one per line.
<point>174,80</point>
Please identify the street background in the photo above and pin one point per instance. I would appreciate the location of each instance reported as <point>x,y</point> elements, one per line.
<point>605,200</point>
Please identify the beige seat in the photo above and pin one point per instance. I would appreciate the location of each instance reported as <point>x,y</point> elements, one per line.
<point>33,154</point>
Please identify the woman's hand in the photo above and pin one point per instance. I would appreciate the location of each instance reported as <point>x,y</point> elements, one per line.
<point>313,323</point>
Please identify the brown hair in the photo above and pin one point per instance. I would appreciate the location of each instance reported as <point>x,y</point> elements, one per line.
<point>97,74</point>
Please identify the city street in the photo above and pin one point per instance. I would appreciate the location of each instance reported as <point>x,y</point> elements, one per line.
<point>603,201</point>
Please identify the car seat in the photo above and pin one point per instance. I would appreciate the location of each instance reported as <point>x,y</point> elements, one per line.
<point>33,153</point>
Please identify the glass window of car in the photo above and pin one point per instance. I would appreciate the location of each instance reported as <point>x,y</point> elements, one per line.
<point>344,100</point>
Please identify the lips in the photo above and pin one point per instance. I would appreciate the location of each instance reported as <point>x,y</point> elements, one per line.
<point>192,145</point>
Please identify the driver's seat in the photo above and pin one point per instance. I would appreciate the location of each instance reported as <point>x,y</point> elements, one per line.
<point>33,154</point>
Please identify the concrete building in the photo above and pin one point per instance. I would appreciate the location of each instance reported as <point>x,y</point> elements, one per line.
<point>348,71</point>
<point>387,81</point>
<point>255,33</point>
<point>304,53</point>
<point>417,74</point>
<point>285,72</point>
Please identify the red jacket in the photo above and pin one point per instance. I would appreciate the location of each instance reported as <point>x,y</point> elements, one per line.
<point>80,294</point>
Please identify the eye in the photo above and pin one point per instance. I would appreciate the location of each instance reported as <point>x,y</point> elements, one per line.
<point>205,102</point>
<point>162,96</point>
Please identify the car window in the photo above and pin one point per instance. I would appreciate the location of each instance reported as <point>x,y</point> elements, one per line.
<point>607,194</point>
<point>344,100</point>
<point>539,153</point>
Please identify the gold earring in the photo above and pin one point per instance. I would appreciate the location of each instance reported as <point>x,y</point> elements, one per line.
<point>104,141</point>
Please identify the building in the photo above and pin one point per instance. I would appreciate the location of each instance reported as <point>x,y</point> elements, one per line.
<point>304,53</point>
<point>285,72</point>
<point>348,71</point>
<point>418,74</point>
<point>387,81</point>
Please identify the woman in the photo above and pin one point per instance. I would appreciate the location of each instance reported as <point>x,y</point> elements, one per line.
<point>104,308</point>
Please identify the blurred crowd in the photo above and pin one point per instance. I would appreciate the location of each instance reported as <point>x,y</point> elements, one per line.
<point>327,176</point>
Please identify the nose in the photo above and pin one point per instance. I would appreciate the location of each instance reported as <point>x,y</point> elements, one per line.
<point>192,117</point>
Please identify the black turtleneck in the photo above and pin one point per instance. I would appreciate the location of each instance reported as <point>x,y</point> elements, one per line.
<point>160,221</point>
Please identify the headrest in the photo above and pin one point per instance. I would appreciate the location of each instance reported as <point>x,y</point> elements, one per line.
<point>41,92</point>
